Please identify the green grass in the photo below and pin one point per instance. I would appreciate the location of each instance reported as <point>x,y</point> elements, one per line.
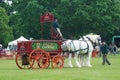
<point>9,71</point>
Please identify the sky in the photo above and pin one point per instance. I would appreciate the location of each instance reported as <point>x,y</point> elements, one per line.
<point>9,2</point>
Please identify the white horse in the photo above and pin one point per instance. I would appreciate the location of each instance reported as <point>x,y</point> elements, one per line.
<point>83,47</point>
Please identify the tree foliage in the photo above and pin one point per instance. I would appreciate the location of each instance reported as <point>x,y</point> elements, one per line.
<point>77,17</point>
<point>5,30</point>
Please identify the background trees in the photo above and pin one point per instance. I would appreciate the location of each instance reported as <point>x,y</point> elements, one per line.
<point>77,17</point>
<point>5,30</point>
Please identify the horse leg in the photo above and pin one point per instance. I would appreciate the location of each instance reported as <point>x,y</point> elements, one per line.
<point>88,59</point>
<point>69,60</point>
<point>82,60</point>
<point>76,60</point>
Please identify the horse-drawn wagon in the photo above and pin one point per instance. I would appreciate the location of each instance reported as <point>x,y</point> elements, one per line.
<point>40,53</point>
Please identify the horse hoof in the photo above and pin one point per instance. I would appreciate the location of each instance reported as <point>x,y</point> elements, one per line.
<point>79,66</point>
<point>71,66</point>
<point>89,65</point>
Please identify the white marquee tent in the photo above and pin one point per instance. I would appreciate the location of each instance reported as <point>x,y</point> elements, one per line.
<point>13,44</point>
<point>19,39</point>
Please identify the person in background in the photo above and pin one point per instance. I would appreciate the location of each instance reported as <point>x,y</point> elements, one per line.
<point>0,47</point>
<point>114,49</point>
<point>104,51</point>
<point>56,27</point>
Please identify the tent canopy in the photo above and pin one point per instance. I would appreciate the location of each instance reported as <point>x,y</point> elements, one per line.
<point>19,39</point>
<point>116,40</point>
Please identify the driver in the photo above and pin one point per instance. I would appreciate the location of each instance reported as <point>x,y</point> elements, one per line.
<point>56,27</point>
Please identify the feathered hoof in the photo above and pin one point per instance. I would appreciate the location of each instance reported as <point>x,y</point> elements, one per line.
<point>79,66</point>
<point>89,66</point>
<point>70,66</point>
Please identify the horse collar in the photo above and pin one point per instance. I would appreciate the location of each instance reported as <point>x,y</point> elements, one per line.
<point>91,42</point>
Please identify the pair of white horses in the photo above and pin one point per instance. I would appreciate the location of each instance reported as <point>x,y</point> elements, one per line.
<point>83,47</point>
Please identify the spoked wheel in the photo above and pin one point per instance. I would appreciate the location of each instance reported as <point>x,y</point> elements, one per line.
<point>39,59</point>
<point>21,60</point>
<point>44,62</point>
<point>57,62</point>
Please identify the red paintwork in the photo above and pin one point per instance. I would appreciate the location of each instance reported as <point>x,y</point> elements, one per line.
<point>46,17</point>
<point>26,46</point>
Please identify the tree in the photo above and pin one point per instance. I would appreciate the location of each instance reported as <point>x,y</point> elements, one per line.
<point>6,6</point>
<point>78,17</point>
<point>27,18</point>
<point>6,31</point>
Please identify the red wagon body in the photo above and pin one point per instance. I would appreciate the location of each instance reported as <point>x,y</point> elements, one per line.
<point>40,53</point>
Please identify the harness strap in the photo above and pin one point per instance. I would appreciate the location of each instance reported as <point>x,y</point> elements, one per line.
<point>87,46</point>
<point>75,50</point>
<point>91,42</point>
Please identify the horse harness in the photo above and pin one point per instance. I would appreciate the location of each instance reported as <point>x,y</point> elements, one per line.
<point>75,50</point>
<point>94,44</point>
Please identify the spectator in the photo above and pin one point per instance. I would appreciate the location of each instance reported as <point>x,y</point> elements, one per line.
<point>0,47</point>
<point>104,50</point>
<point>114,49</point>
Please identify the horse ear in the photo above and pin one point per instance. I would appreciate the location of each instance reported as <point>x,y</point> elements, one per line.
<point>90,34</point>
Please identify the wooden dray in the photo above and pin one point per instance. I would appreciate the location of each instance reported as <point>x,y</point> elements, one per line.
<point>40,53</point>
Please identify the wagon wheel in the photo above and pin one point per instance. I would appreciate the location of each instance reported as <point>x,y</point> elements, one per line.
<point>57,62</point>
<point>21,60</point>
<point>39,59</point>
<point>44,62</point>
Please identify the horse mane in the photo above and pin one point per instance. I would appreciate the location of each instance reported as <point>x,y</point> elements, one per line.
<point>90,34</point>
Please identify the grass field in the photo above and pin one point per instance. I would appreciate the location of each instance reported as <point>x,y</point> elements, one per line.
<point>9,71</point>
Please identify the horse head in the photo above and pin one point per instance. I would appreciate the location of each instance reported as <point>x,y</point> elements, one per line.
<point>66,45</point>
<point>94,38</point>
